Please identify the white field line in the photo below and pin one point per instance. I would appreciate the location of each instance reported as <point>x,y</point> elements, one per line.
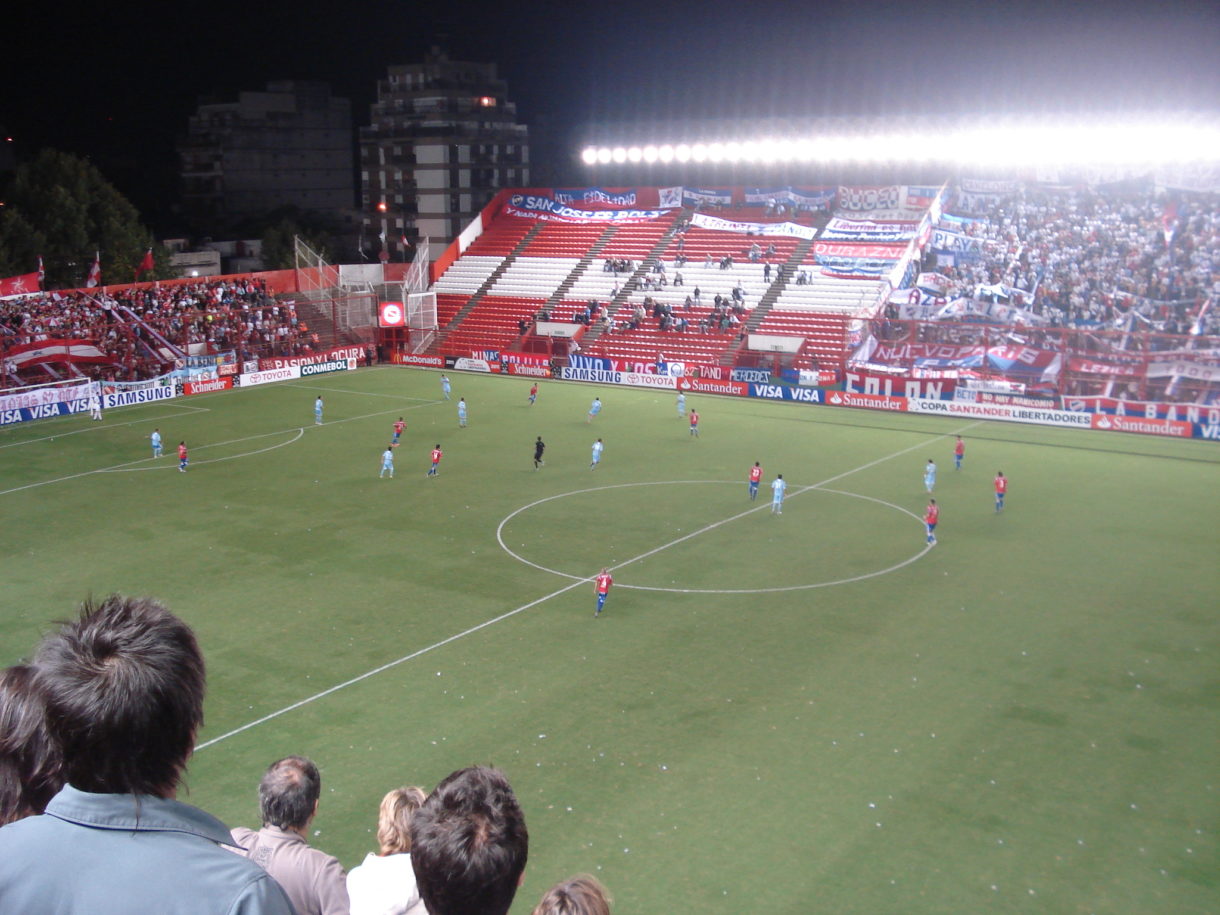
<point>185,411</point>
<point>237,441</point>
<point>511,613</point>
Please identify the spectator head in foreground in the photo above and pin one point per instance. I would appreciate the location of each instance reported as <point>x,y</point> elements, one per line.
<point>582,895</point>
<point>288,794</point>
<point>398,808</point>
<point>31,770</point>
<point>124,688</point>
<point>469,844</point>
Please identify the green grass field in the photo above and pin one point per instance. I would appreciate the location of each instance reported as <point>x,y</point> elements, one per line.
<point>795,713</point>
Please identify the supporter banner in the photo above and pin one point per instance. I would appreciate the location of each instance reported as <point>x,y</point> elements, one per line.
<point>755,376</point>
<point>961,223</point>
<point>533,370</point>
<point>866,230</point>
<point>1142,425</point>
<point>857,249</point>
<point>916,305</point>
<point>229,369</point>
<point>1184,412</point>
<point>980,204</point>
<point>710,386</point>
<point>435,362</point>
<point>114,387</point>
<point>55,350</point>
<point>207,387</point>
<point>327,367</point>
<point>1014,359</point>
<point>531,206</point>
<point>251,379</point>
<point>206,360</point>
<point>818,198</point>
<point>791,229</point>
<point>595,196</point>
<point>783,392</point>
<point>958,245</point>
<point>899,215</point>
<point>19,285</point>
<point>892,386</point>
<point>1109,369</point>
<point>130,398</point>
<point>920,196</point>
<point>853,267</point>
<point>981,186</point>
<point>1003,412</point>
<point>695,195</point>
<point>669,197</point>
<point>810,378</point>
<point>888,197</point>
<point>934,283</point>
<point>391,314</point>
<point>357,353</point>
<point>868,401</point>
<point>525,358</point>
<point>36,397</point>
<point>1187,371</point>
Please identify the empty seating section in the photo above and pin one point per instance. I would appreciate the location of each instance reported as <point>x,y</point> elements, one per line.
<point>634,241</point>
<point>492,324</point>
<point>500,237</point>
<point>830,294</point>
<point>563,240</point>
<point>825,334</point>
<point>535,277</point>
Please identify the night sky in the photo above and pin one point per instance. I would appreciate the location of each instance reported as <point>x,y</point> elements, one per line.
<point>118,82</point>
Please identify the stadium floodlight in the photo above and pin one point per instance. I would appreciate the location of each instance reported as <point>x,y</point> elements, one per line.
<point>619,154</point>
<point>998,143</point>
<point>634,154</point>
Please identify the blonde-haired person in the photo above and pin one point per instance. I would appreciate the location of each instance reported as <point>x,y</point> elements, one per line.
<point>384,884</point>
<point>582,895</point>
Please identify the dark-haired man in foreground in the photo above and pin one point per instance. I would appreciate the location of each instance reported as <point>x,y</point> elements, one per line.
<point>124,689</point>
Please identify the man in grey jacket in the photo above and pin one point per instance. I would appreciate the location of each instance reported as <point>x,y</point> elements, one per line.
<point>124,690</point>
<point>288,799</point>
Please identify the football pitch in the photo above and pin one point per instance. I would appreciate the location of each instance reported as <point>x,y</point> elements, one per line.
<point>810,711</point>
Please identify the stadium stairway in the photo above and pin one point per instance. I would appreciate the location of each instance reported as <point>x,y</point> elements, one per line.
<point>646,263</point>
<point>769,298</point>
<point>483,289</point>
<point>581,266</point>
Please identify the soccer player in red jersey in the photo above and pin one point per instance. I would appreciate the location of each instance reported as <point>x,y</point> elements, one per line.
<point>694,422</point>
<point>755,477</point>
<point>602,585</point>
<point>959,452</point>
<point>437,454</point>
<point>182,461</point>
<point>398,427</point>
<point>533,393</point>
<point>1001,487</point>
<point>930,516</point>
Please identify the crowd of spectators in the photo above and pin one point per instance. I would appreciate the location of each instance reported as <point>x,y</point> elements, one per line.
<point>1082,258</point>
<point>95,733</point>
<point>132,325</point>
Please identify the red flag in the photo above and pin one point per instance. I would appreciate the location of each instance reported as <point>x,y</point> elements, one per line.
<point>95,272</point>
<point>42,274</point>
<point>146,264</point>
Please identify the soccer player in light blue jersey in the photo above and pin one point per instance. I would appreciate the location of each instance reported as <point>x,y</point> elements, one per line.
<point>929,475</point>
<point>597,454</point>
<point>778,488</point>
<point>681,404</point>
<point>155,438</point>
<point>462,412</point>
<point>594,409</point>
<point>317,411</point>
<point>445,386</point>
<point>387,462</point>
